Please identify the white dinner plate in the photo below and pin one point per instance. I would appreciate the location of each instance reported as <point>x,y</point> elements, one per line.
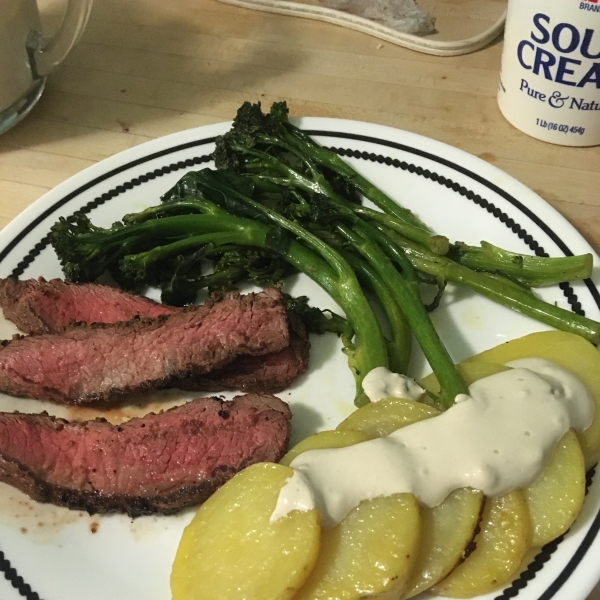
<point>52,553</point>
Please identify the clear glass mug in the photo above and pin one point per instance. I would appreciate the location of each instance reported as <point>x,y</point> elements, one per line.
<point>27,57</point>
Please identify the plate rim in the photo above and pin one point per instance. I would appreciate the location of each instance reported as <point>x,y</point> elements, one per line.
<point>34,215</point>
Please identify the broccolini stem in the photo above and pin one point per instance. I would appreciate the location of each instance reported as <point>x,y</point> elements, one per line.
<point>533,271</point>
<point>86,251</point>
<point>438,244</point>
<point>370,347</point>
<point>435,352</point>
<point>186,206</point>
<point>400,341</point>
<point>500,290</point>
<point>399,217</point>
<point>136,266</point>
<point>296,138</point>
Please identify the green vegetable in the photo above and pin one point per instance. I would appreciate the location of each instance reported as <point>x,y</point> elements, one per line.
<point>401,289</point>
<point>501,290</point>
<point>143,251</point>
<point>280,203</point>
<point>255,145</point>
<point>530,271</point>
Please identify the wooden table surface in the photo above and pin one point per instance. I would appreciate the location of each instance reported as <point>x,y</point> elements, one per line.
<point>146,68</point>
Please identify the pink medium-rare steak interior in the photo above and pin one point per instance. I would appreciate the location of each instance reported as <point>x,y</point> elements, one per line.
<point>270,373</point>
<point>161,462</point>
<point>40,306</point>
<point>97,362</point>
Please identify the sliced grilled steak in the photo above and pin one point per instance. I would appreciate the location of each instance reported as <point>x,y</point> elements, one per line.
<point>87,363</point>
<point>40,306</point>
<point>270,373</point>
<point>159,463</point>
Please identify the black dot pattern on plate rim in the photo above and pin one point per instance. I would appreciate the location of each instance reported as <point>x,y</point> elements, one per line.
<point>546,552</point>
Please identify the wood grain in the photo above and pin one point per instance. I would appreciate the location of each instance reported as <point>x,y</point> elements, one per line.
<point>145,68</point>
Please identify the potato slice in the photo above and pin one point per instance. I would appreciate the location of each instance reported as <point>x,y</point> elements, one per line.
<point>446,532</point>
<point>470,372</point>
<point>571,352</point>
<point>231,549</point>
<point>370,554</point>
<point>501,545</point>
<point>447,529</point>
<point>556,497</point>
<point>325,439</point>
<point>379,419</point>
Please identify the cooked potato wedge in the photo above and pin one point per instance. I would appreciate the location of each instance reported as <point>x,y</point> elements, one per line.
<point>571,352</point>
<point>231,549</point>
<point>556,497</point>
<point>470,372</point>
<point>325,439</point>
<point>379,419</point>
<point>447,529</point>
<point>501,545</point>
<point>446,532</point>
<point>370,554</point>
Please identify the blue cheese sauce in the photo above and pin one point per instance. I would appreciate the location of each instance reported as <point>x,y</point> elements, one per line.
<point>496,439</point>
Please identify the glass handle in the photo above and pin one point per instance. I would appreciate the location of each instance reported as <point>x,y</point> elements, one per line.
<point>46,54</point>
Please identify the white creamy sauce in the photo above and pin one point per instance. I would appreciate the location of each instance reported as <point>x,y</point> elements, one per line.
<point>497,439</point>
<point>382,383</point>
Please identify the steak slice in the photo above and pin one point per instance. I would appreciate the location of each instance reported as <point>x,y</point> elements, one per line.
<point>159,463</point>
<point>270,373</point>
<point>40,306</point>
<point>86,363</point>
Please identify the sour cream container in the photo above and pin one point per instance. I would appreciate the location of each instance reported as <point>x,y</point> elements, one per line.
<point>550,77</point>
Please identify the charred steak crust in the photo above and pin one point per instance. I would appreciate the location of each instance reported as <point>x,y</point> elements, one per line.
<point>87,363</point>
<point>38,306</point>
<point>158,463</point>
